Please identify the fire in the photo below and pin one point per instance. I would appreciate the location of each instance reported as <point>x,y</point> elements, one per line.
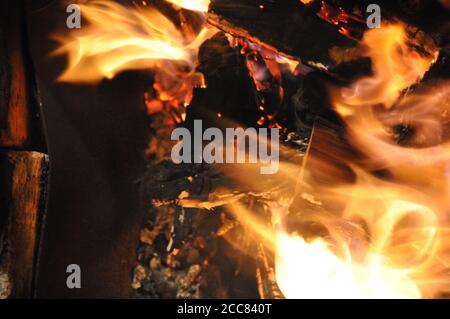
<point>118,38</point>
<point>395,67</point>
<point>312,270</point>
<point>404,253</point>
<point>390,265</point>
<point>391,238</point>
<point>195,5</point>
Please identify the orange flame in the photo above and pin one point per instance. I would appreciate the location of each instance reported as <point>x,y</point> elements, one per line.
<point>407,250</point>
<point>391,263</point>
<point>405,254</point>
<point>395,67</point>
<point>385,237</point>
<point>391,239</point>
<point>119,38</point>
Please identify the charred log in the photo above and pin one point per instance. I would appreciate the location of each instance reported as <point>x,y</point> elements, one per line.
<point>229,96</point>
<point>285,27</point>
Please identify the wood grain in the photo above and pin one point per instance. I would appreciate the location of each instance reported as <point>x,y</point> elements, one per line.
<point>23,178</point>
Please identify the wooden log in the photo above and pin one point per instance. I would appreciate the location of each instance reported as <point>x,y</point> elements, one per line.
<point>230,93</point>
<point>288,27</point>
<point>265,277</point>
<point>23,177</point>
<point>20,123</point>
<point>421,16</point>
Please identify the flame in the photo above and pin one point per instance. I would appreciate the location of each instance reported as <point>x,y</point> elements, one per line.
<point>395,67</point>
<point>118,38</point>
<point>391,264</point>
<point>195,5</point>
<point>312,270</point>
<point>400,247</point>
<point>391,239</point>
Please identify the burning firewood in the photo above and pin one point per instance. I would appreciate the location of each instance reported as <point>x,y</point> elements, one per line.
<point>285,27</point>
<point>336,50</point>
<point>349,100</point>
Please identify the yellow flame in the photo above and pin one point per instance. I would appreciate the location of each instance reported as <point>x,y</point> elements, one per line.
<point>394,262</point>
<point>405,250</point>
<point>117,38</point>
<point>395,67</point>
<point>195,5</point>
<point>405,219</point>
<point>312,270</point>
<point>405,254</point>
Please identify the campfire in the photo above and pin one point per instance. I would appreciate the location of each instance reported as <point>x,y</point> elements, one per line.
<point>359,204</point>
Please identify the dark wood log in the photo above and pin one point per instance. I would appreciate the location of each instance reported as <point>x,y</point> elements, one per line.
<point>20,122</point>
<point>22,173</point>
<point>229,98</point>
<point>23,177</point>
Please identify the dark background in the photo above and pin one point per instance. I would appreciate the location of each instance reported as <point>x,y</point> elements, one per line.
<point>96,139</point>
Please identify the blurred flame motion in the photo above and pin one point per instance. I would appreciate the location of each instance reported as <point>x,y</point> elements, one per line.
<point>118,38</point>
<point>392,263</point>
<point>424,113</point>
<point>391,238</point>
<point>314,271</point>
<point>406,217</point>
<point>386,237</point>
<point>395,67</point>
